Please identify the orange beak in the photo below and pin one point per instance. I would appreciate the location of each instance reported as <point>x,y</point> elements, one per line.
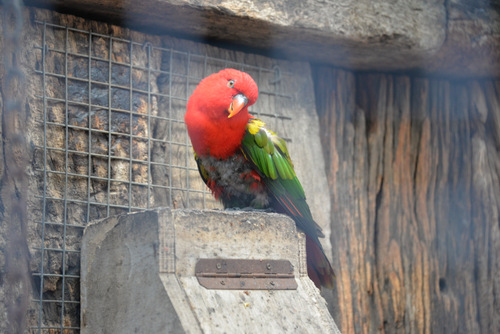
<point>238,103</point>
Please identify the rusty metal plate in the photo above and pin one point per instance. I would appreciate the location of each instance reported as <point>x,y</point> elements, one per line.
<point>242,274</point>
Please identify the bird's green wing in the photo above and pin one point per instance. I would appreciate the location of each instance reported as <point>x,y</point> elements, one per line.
<point>269,154</point>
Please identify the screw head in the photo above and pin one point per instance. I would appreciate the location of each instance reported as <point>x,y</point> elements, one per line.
<point>219,265</point>
<point>268,266</point>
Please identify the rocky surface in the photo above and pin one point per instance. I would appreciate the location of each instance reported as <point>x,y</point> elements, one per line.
<point>458,37</point>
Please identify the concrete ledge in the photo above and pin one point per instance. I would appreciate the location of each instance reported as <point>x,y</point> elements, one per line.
<point>458,37</point>
<point>138,275</point>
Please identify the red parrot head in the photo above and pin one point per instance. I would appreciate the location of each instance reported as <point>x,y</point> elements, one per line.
<point>217,112</point>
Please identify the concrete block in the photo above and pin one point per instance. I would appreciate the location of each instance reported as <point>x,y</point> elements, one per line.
<point>138,275</point>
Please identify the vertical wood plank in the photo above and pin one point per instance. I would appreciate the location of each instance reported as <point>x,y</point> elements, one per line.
<point>413,170</point>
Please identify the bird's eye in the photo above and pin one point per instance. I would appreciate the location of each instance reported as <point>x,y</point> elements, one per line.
<point>230,83</point>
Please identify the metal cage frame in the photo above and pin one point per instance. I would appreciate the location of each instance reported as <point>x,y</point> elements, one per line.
<point>45,148</point>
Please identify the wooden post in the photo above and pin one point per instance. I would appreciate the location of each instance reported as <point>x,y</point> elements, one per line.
<point>413,166</point>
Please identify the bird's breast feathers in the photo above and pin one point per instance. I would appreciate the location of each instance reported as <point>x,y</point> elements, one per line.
<point>233,181</point>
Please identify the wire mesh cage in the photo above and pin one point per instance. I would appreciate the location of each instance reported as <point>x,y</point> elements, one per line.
<point>113,141</point>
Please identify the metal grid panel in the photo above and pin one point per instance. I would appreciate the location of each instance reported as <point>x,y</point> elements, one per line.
<point>114,141</point>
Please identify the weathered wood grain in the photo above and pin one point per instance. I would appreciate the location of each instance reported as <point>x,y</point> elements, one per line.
<point>413,169</point>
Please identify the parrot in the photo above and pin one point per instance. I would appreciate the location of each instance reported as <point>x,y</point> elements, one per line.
<point>246,165</point>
